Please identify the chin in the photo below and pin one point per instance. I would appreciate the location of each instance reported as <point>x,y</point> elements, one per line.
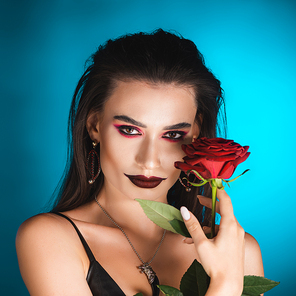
<point>155,194</point>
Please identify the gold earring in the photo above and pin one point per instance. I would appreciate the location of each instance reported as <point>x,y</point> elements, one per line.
<point>187,187</point>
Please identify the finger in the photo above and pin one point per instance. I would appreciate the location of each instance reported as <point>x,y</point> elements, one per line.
<point>225,204</point>
<point>188,240</point>
<point>192,225</point>
<point>207,202</point>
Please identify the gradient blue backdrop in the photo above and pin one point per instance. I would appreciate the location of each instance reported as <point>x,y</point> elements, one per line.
<point>250,45</point>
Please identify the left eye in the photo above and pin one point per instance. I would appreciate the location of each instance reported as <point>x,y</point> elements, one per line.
<point>174,135</point>
<point>130,131</point>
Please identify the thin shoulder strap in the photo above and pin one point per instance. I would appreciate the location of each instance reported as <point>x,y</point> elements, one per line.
<point>84,243</point>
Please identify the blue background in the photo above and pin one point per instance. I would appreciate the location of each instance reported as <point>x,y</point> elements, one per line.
<point>250,45</point>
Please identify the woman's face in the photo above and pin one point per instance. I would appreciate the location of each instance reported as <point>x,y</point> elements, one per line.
<point>140,133</point>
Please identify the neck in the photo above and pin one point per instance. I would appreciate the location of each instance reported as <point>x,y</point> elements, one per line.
<point>139,223</point>
<point>127,213</point>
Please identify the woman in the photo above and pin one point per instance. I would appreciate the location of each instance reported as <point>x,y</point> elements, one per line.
<point>142,96</point>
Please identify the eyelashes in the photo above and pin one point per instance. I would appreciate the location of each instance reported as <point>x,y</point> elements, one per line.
<point>130,131</point>
<point>174,136</point>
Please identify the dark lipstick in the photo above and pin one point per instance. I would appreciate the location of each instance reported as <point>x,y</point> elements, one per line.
<point>145,182</point>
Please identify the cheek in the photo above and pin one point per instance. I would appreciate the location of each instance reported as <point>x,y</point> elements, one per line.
<point>108,151</point>
<point>114,153</point>
<point>174,151</point>
<point>171,172</point>
<point>170,155</point>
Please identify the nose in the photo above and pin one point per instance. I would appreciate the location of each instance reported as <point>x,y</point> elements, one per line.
<point>148,155</point>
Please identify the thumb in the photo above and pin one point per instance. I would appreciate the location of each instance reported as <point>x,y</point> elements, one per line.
<point>192,225</point>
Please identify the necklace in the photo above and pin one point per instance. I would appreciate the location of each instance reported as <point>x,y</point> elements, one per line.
<point>145,266</point>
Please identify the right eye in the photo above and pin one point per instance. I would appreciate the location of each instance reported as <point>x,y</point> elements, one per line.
<point>128,130</point>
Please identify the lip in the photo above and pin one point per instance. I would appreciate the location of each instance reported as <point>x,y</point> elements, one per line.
<point>145,182</point>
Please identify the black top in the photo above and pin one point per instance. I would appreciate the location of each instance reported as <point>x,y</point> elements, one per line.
<point>98,279</point>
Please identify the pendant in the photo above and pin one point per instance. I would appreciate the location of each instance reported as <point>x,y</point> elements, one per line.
<point>147,269</point>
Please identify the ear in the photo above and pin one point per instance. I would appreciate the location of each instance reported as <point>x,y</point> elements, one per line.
<point>195,131</point>
<point>92,126</point>
<point>197,127</point>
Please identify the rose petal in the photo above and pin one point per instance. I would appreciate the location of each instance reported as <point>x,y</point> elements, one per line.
<point>227,171</point>
<point>200,169</point>
<point>213,158</point>
<point>222,158</point>
<point>239,160</point>
<point>213,166</point>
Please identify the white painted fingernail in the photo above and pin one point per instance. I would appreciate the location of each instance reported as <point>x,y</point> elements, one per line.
<point>185,213</point>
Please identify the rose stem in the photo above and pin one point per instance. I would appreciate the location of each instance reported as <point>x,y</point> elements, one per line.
<point>214,193</point>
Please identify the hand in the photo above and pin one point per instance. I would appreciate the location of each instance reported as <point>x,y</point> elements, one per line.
<point>207,202</point>
<point>223,256</point>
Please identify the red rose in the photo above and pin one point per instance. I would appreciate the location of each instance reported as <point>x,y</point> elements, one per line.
<point>213,158</point>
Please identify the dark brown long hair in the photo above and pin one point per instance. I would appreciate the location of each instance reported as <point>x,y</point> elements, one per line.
<point>159,57</point>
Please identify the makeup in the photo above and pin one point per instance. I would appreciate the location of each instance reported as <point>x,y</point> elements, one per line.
<point>145,182</point>
<point>174,136</point>
<point>128,131</point>
<point>141,133</point>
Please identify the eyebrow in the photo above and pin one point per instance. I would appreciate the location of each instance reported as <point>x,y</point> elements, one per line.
<point>137,123</point>
<point>177,126</point>
<point>129,120</point>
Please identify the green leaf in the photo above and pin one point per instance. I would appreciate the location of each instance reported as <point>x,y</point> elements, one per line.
<point>228,181</point>
<point>203,182</point>
<point>180,227</point>
<point>139,294</point>
<point>195,281</point>
<point>197,184</point>
<point>256,285</point>
<point>169,291</point>
<point>160,213</point>
<point>194,172</point>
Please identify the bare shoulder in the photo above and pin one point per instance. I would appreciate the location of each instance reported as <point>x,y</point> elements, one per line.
<point>41,229</point>
<point>253,258</point>
<point>50,256</point>
<point>38,224</point>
